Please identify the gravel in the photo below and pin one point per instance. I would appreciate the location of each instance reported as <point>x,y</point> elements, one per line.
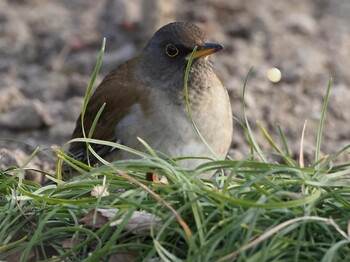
<point>48,50</point>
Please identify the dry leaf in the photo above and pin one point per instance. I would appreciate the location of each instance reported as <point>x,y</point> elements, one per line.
<point>140,221</point>
<point>71,242</point>
<point>99,221</point>
<point>98,191</point>
<point>123,256</point>
<point>164,180</point>
<point>153,177</point>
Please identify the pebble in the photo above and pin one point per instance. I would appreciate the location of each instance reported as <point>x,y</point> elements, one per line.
<point>32,114</point>
<point>9,98</point>
<point>307,42</point>
<point>302,24</point>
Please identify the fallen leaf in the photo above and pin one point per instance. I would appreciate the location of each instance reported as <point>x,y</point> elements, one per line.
<point>153,177</point>
<point>99,190</point>
<point>71,242</point>
<point>98,222</point>
<point>123,256</point>
<point>140,221</point>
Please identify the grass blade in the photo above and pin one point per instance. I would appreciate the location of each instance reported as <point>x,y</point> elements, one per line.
<point>321,125</point>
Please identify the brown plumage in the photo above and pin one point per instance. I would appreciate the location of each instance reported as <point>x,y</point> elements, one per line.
<point>125,94</point>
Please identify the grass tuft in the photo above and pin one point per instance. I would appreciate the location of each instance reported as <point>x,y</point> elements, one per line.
<point>258,211</point>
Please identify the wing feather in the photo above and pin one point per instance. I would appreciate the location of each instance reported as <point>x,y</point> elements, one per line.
<point>120,90</point>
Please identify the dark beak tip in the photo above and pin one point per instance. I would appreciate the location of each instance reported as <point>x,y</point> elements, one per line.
<point>208,48</point>
<point>211,45</point>
<point>220,47</point>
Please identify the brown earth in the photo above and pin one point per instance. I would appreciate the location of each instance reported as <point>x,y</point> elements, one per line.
<point>48,50</point>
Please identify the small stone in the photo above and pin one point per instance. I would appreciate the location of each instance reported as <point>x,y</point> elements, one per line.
<point>62,131</point>
<point>77,84</point>
<point>9,98</point>
<point>119,56</point>
<point>156,14</point>
<point>45,85</point>
<point>16,158</point>
<point>302,24</point>
<point>30,115</point>
<point>11,158</point>
<point>274,75</point>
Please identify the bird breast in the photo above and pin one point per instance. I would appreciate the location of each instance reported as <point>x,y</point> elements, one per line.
<point>167,127</point>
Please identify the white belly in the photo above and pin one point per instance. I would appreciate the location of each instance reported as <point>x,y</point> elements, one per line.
<point>168,128</point>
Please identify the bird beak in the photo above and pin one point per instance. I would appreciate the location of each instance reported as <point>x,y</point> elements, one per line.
<point>208,49</point>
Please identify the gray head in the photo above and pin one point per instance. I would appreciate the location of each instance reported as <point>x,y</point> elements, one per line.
<point>164,59</point>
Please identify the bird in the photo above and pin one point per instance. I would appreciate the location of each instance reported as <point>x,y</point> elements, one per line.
<point>144,98</point>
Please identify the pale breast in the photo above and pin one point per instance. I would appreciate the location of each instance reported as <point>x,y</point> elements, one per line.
<point>166,127</point>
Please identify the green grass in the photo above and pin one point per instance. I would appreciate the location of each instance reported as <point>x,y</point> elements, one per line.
<point>257,211</point>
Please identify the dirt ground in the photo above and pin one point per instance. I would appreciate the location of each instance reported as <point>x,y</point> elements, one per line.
<point>48,50</point>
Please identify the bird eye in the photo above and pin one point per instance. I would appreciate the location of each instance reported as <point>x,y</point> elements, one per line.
<point>171,50</point>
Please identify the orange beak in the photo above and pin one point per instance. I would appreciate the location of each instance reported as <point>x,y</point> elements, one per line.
<point>208,49</point>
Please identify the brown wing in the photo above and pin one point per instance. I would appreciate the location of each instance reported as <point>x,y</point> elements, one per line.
<point>120,90</point>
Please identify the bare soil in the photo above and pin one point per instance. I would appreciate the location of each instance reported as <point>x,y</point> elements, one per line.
<point>48,50</point>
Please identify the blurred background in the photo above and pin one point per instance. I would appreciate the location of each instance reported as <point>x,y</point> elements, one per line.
<point>48,50</point>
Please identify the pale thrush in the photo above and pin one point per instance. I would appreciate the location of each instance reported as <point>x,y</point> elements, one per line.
<point>145,98</point>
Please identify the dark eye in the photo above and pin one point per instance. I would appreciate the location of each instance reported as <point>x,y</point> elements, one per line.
<point>171,50</point>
